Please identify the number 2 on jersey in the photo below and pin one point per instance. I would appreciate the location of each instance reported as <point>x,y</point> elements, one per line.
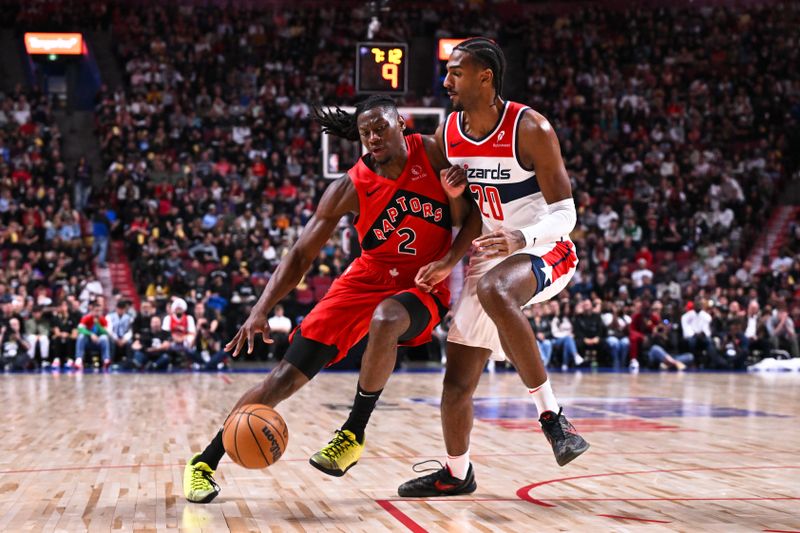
<point>408,239</point>
<point>488,195</point>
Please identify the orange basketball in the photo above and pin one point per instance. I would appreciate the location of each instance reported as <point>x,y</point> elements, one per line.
<point>255,436</point>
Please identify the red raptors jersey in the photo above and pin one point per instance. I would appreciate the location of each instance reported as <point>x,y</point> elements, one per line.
<point>403,224</point>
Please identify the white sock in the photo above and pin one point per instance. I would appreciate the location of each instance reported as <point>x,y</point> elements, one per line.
<point>544,398</point>
<point>459,465</point>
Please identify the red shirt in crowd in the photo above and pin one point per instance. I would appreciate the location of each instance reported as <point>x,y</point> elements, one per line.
<point>94,324</point>
<point>259,169</point>
<point>288,192</point>
<point>644,324</point>
<point>646,254</point>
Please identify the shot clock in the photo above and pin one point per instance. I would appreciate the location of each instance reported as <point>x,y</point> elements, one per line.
<point>381,68</point>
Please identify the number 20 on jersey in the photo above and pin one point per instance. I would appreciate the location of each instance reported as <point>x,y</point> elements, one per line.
<point>488,198</point>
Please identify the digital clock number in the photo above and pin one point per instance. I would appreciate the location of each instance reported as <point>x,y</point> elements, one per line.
<point>390,61</point>
<point>381,67</point>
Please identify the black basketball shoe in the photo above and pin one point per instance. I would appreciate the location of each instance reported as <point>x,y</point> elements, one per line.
<point>440,483</point>
<point>562,436</point>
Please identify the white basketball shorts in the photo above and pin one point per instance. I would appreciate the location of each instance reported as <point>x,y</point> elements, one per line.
<point>552,263</point>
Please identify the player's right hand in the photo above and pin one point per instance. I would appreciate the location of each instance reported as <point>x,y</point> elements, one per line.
<point>431,274</point>
<point>255,323</point>
<point>454,180</point>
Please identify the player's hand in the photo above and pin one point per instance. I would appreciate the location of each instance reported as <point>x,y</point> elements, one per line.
<point>454,180</point>
<point>255,323</point>
<point>499,243</point>
<point>432,274</point>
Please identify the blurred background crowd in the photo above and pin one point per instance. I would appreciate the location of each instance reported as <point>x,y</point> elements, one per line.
<point>679,127</point>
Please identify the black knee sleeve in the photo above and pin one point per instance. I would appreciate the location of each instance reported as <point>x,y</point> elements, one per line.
<point>309,356</point>
<point>419,314</point>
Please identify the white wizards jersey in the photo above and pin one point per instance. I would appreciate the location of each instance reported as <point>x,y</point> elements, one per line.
<point>506,192</point>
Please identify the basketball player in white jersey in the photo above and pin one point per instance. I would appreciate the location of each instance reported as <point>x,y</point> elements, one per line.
<point>515,173</point>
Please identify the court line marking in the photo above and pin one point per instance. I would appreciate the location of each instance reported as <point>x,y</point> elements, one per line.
<point>478,500</point>
<point>401,517</point>
<point>410,457</point>
<point>750,499</point>
<point>523,494</point>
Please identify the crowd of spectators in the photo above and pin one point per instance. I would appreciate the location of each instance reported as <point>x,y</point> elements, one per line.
<point>676,127</point>
<point>674,124</point>
<point>212,159</point>
<point>45,257</point>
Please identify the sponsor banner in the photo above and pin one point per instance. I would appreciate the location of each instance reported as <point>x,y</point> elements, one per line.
<point>446,47</point>
<point>54,43</point>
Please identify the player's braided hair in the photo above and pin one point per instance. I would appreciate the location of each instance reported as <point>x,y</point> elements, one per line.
<point>344,124</point>
<point>490,55</point>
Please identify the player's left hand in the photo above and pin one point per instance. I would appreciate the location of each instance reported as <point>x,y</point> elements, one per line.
<point>454,180</point>
<point>499,243</point>
<point>431,274</point>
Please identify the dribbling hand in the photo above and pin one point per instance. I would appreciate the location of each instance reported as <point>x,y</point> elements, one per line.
<point>454,180</point>
<point>255,323</point>
<point>499,243</point>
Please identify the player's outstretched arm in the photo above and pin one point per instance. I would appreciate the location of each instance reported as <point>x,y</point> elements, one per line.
<point>540,150</point>
<point>339,199</point>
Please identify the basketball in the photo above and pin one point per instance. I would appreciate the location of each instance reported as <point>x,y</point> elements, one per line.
<point>255,436</point>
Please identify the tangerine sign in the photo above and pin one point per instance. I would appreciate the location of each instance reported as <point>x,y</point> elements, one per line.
<point>54,43</point>
<point>446,47</point>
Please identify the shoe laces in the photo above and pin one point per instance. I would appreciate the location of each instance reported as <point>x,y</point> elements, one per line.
<point>418,470</point>
<point>338,445</point>
<point>550,424</point>
<point>435,473</point>
<point>201,478</point>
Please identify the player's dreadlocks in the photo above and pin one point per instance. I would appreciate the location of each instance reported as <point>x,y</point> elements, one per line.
<point>345,125</point>
<point>489,55</point>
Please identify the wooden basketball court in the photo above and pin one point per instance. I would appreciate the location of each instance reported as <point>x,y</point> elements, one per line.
<point>670,452</point>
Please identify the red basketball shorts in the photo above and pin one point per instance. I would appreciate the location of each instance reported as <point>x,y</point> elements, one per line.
<point>342,317</point>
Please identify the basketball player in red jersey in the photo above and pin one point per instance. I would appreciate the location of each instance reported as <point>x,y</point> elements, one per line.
<point>404,222</point>
<point>515,172</point>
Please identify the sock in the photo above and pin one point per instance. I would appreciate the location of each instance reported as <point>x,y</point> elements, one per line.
<point>544,398</point>
<point>459,465</point>
<point>213,452</point>
<point>363,405</point>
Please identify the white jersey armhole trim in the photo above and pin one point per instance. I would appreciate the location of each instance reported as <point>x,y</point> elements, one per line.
<point>515,146</point>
